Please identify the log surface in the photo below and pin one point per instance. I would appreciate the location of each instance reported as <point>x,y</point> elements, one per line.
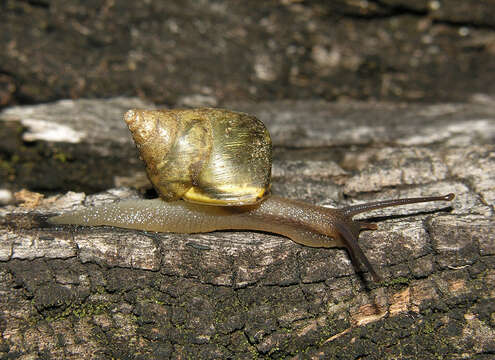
<point>74,292</point>
<point>215,51</point>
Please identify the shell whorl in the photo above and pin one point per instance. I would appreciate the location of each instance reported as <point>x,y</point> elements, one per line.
<point>210,156</point>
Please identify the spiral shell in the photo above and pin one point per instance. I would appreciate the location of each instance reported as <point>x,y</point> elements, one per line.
<point>208,156</point>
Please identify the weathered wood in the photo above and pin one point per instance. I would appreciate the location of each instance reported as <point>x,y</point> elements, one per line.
<point>73,292</point>
<point>214,51</point>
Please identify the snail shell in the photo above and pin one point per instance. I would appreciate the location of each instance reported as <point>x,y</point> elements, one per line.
<point>208,156</point>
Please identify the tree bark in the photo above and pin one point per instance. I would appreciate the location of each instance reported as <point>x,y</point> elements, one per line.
<point>191,53</point>
<point>75,292</point>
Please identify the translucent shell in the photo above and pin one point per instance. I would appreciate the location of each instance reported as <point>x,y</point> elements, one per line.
<point>208,156</point>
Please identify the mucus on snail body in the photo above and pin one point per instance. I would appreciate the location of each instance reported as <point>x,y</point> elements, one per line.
<point>212,170</point>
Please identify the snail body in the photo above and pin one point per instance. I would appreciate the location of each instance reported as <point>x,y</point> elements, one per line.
<point>211,168</point>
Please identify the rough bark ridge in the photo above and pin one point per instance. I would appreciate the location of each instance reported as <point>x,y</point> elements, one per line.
<point>112,293</point>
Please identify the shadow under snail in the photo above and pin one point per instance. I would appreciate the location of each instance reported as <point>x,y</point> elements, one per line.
<point>212,170</point>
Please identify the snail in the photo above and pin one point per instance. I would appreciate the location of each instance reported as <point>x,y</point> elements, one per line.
<point>212,171</point>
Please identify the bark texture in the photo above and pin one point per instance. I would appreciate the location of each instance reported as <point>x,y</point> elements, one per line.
<point>215,51</point>
<point>73,292</point>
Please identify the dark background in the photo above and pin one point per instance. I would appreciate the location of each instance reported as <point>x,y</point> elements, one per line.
<point>212,52</point>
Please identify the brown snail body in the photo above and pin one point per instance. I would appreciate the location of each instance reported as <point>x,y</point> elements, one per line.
<point>219,163</point>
